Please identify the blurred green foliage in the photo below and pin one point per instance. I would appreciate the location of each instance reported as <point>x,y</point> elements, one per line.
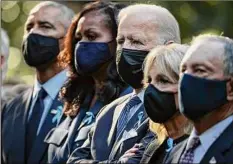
<point>194,17</point>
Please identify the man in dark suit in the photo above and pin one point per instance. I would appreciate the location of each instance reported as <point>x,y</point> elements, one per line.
<point>123,124</point>
<point>27,118</point>
<point>206,98</point>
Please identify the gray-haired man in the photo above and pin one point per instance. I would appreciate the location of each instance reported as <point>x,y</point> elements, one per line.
<point>28,118</point>
<point>206,99</point>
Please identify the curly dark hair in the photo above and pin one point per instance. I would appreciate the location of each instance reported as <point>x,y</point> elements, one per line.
<point>79,90</point>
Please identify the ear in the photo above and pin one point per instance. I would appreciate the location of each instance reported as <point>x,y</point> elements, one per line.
<point>230,90</point>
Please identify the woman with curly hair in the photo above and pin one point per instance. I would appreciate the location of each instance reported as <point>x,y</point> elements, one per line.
<point>93,80</point>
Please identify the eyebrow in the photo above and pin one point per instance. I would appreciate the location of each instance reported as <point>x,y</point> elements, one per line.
<point>48,23</point>
<point>206,65</point>
<point>136,37</point>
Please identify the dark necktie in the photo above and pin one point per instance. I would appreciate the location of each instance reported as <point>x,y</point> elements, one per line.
<point>34,120</point>
<point>188,155</point>
<point>123,119</point>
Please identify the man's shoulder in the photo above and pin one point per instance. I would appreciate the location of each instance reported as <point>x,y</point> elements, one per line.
<point>16,101</point>
<point>111,106</point>
<point>16,91</point>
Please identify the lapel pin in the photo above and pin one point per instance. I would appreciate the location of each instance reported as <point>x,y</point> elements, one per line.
<point>58,114</point>
<point>90,117</point>
<point>140,116</point>
<point>169,144</point>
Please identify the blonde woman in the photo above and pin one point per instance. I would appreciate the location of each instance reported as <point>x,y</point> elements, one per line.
<point>161,76</point>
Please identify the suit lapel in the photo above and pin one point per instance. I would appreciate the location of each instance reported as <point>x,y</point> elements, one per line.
<point>116,115</point>
<point>219,147</point>
<point>40,146</point>
<point>94,110</point>
<point>177,154</point>
<point>129,131</point>
<point>18,145</point>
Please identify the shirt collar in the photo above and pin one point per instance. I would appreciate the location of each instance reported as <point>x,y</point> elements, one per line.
<point>209,137</point>
<point>140,95</point>
<point>52,86</point>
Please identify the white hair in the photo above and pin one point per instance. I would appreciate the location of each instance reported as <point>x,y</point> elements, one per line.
<point>66,14</point>
<point>167,25</point>
<point>228,49</point>
<point>5,44</point>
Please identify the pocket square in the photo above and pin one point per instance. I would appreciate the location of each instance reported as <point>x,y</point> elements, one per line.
<point>212,160</point>
<point>129,134</point>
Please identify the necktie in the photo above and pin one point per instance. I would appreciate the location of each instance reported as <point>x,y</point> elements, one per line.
<point>188,155</point>
<point>123,119</point>
<point>34,121</point>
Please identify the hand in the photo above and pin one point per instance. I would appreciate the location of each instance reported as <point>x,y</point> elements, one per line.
<point>131,152</point>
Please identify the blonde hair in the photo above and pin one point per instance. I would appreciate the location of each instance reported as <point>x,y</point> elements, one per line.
<point>167,60</point>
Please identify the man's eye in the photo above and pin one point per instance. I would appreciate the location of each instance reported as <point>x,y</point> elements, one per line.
<point>120,41</point>
<point>198,70</point>
<point>46,27</point>
<point>28,28</point>
<point>137,42</point>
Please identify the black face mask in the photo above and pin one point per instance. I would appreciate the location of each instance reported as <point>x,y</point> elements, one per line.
<point>129,66</point>
<point>200,96</point>
<point>160,106</point>
<point>38,50</point>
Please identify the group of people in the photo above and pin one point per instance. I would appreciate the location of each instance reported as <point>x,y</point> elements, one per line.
<point>114,84</point>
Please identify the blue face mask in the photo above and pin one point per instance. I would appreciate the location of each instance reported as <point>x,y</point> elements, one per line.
<point>199,96</point>
<point>90,56</point>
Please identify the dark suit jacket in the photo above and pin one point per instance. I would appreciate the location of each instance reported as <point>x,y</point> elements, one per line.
<point>221,149</point>
<point>102,144</point>
<point>14,123</point>
<point>72,133</point>
<point>11,92</point>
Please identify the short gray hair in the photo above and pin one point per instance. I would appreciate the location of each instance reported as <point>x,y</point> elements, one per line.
<point>168,27</point>
<point>5,44</point>
<point>66,15</point>
<point>228,50</point>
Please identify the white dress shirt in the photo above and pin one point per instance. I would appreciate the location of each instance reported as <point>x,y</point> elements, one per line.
<point>52,87</point>
<point>208,138</point>
<point>135,108</point>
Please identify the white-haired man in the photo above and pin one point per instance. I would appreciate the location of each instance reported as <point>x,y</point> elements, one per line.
<point>124,123</point>
<point>207,67</point>
<point>31,115</point>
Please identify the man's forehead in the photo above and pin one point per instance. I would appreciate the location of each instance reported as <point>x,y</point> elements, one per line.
<point>49,14</point>
<point>132,24</point>
<point>205,50</point>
